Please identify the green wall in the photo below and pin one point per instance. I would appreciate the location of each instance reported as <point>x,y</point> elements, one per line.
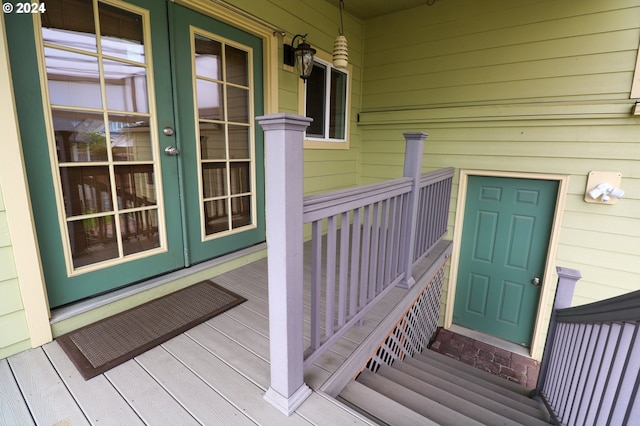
<point>15,335</point>
<point>325,170</point>
<point>526,86</point>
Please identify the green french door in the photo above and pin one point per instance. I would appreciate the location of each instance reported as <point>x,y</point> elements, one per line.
<point>506,231</point>
<point>137,125</point>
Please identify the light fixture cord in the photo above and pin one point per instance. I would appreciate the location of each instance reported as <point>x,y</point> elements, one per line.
<point>341,29</point>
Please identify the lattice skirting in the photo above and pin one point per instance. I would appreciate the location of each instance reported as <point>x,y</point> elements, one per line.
<point>415,329</point>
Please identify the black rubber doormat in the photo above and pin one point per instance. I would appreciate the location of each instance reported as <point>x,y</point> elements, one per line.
<point>107,343</point>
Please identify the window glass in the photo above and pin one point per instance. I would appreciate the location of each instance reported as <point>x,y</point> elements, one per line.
<point>326,93</point>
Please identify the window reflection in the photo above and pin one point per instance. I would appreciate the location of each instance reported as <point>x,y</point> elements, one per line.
<point>70,23</point>
<point>73,79</point>
<point>92,240</point>
<point>101,122</point>
<point>139,231</point>
<point>86,190</point>
<point>80,136</point>
<point>130,138</point>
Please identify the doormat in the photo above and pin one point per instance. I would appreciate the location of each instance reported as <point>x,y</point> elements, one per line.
<point>100,346</point>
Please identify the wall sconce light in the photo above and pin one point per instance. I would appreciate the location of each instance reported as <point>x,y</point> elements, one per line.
<point>300,56</point>
<point>603,188</point>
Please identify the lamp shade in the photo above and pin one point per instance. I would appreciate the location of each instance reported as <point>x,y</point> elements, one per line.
<point>304,59</point>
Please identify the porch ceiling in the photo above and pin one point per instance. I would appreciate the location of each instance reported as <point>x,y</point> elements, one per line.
<point>366,9</point>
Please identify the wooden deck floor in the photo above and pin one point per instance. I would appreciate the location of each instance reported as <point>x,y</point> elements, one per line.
<point>214,374</point>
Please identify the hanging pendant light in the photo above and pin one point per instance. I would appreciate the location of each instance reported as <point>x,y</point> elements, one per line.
<point>340,48</point>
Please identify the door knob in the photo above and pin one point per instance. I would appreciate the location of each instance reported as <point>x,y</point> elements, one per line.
<point>172,151</point>
<point>535,281</point>
<point>168,131</point>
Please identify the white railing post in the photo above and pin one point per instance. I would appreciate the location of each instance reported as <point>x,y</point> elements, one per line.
<point>414,147</point>
<point>284,201</point>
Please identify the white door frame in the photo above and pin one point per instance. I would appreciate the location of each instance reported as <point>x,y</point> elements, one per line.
<point>550,277</point>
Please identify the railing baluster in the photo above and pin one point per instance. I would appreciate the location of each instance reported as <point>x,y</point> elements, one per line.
<point>373,255</point>
<point>364,257</point>
<point>355,262</point>
<point>389,273</point>
<point>626,391</point>
<point>382,247</point>
<point>344,269</point>
<point>330,291</point>
<point>601,377</point>
<point>316,282</point>
<point>616,369</point>
<point>596,362</point>
<point>573,400</point>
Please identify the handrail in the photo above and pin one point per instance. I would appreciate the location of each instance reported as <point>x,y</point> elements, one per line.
<point>591,365</point>
<point>621,308</point>
<point>332,203</point>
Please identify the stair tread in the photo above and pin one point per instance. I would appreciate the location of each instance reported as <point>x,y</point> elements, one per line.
<point>452,374</point>
<point>381,407</point>
<point>447,391</point>
<point>430,409</point>
<point>471,370</point>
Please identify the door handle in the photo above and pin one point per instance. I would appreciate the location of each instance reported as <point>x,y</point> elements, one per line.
<point>168,131</point>
<point>535,281</point>
<point>171,151</point>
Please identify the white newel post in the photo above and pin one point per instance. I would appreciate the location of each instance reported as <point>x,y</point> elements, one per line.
<point>284,201</point>
<point>414,147</point>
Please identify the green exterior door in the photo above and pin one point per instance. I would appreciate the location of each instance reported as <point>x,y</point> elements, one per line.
<point>506,231</point>
<point>112,207</point>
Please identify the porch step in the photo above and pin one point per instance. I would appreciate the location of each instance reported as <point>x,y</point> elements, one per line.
<point>431,390</point>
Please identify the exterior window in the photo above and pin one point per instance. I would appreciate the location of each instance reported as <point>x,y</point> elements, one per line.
<point>326,102</point>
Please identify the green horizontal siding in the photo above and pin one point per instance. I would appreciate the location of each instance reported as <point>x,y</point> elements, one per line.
<point>529,86</point>
<point>325,170</point>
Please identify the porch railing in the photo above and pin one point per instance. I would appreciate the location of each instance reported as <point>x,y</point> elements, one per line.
<point>363,254</point>
<point>591,368</point>
<point>364,242</point>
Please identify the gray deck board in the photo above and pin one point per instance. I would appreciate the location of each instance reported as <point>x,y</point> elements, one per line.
<point>215,373</point>
<point>109,408</point>
<point>46,395</point>
<point>13,409</point>
<point>153,404</point>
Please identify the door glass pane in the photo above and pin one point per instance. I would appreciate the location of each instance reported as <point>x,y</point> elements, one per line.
<point>210,100</point>
<point>216,216</point>
<point>130,138</point>
<point>73,79</point>
<point>239,176</point>
<point>238,100</point>
<point>139,231</point>
<point>214,180</point>
<point>126,86</point>
<point>80,136</point>
<point>237,66</point>
<point>69,23</point>
<point>92,240</point>
<point>208,58</point>
<point>213,144</point>
<point>135,186</point>
<point>241,210</point>
<point>239,142</point>
<point>121,33</point>
<point>86,190</point>
<point>110,206</point>
<point>220,103</point>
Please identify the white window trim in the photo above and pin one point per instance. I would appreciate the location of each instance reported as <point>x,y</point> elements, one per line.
<point>326,143</point>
